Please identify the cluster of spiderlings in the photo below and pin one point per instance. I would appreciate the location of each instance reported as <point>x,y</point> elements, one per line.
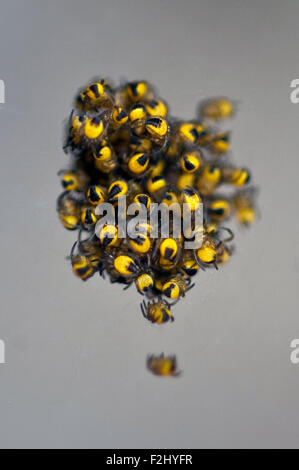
<point>124,142</point>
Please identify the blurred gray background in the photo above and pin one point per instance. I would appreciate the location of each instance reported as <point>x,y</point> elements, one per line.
<point>75,352</point>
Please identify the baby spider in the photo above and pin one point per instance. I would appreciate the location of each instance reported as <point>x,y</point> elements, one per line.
<point>157,311</point>
<point>165,366</point>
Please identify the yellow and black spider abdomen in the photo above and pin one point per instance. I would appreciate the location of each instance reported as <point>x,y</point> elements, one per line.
<point>157,126</point>
<point>119,116</point>
<point>161,314</point>
<point>157,312</point>
<point>95,195</point>
<point>168,249</point>
<point>220,143</point>
<point>188,133</point>
<point>137,90</point>
<point>88,217</point>
<point>191,161</point>
<point>108,235</point>
<point>93,129</point>
<point>95,96</point>
<point>156,183</point>
<point>141,244</point>
<point>212,173</point>
<point>191,198</point>
<point>138,163</point>
<point>70,182</point>
<point>143,201</point>
<point>137,112</point>
<point>94,91</point>
<point>190,267</point>
<point>241,177</point>
<point>219,209</point>
<point>116,189</point>
<point>207,253</point>
<point>246,215</point>
<point>156,108</point>
<point>163,366</point>
<point>171,289</point>
<point>82,268</point>
<point>125,265</point>
<point>144,283</point>
<point>70,222</point>
<point>217,109</point>
<point>103,153</point>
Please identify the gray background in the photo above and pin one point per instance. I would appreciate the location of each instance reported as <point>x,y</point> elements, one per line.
<point>75,374</point>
